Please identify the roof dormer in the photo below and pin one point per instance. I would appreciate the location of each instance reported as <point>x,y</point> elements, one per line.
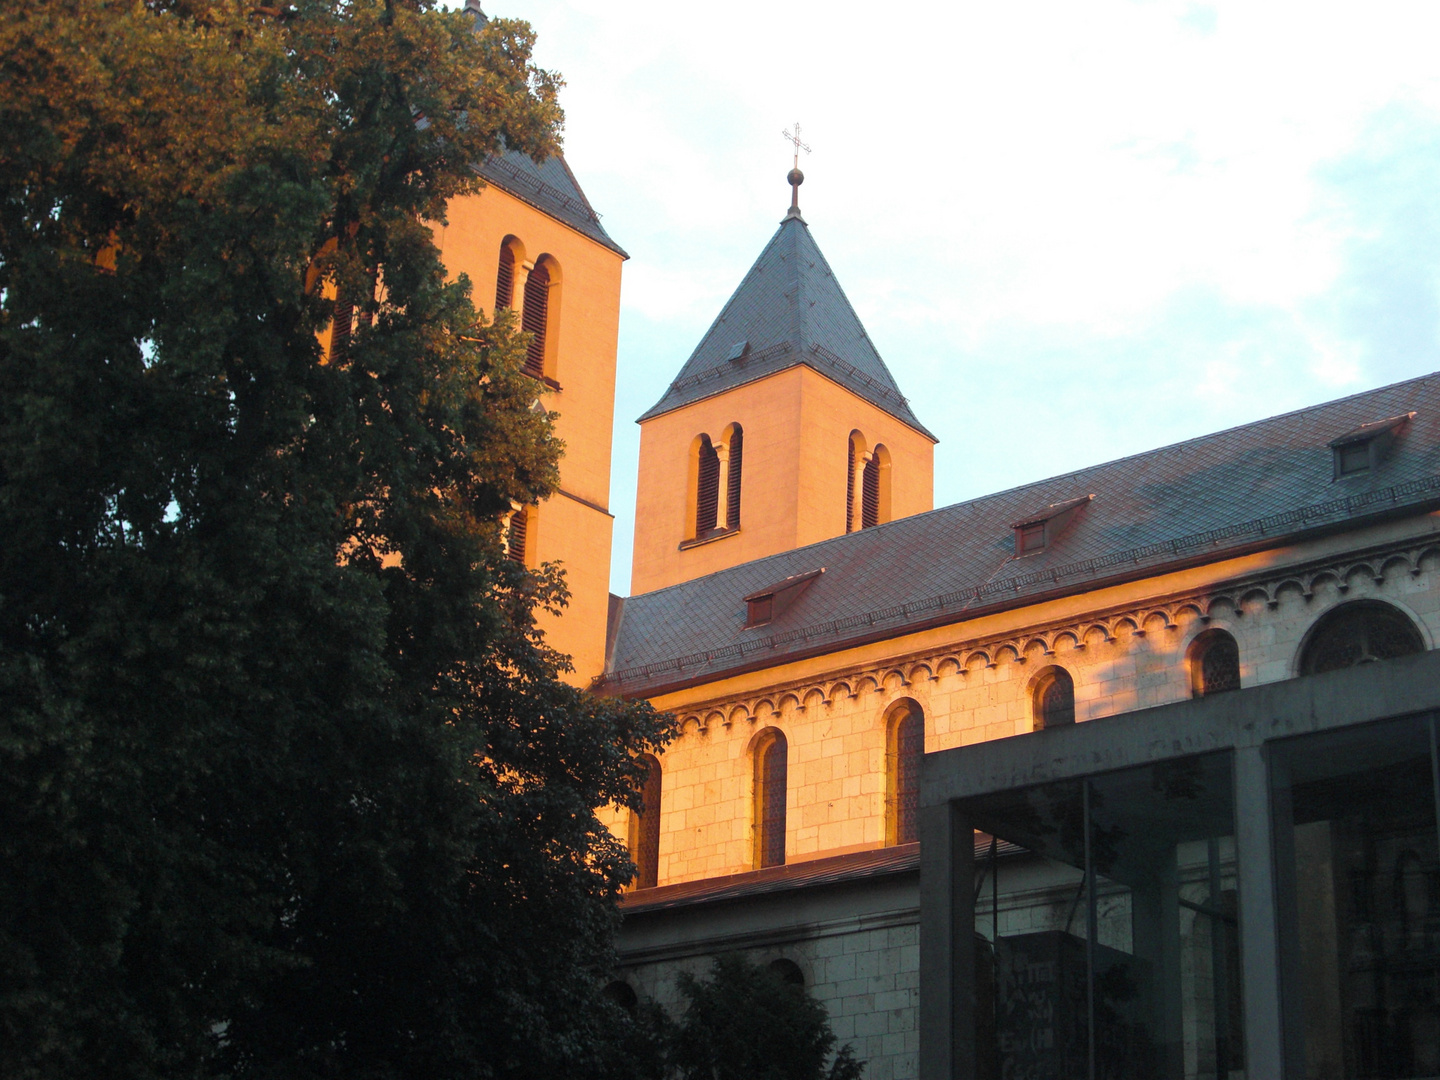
<point>1039,531</point>
<point>768,604</point>
<point>1362,449</point>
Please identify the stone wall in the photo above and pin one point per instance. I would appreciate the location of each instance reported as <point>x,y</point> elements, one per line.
<point>1122,658</point>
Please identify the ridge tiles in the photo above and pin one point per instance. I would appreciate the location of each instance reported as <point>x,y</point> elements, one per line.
<point>788,310</point>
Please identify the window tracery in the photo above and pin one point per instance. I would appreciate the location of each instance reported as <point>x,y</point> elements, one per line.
<point>1054,699</point>
<point>1214,662</point>
<point>1360,632</point>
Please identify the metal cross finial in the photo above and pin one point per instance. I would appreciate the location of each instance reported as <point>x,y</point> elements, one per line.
<point>795,138</point>
<point>796,177</point>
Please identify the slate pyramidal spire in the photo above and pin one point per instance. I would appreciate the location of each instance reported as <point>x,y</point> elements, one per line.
<point>789,310</point>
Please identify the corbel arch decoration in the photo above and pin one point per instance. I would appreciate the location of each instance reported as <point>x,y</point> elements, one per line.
<point>1358,632</point>
<point>770,755</point>
<point>904,750</point>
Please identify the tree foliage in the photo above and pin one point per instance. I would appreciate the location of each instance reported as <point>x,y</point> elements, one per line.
<point>288,783</point>
<point>745,1022</point>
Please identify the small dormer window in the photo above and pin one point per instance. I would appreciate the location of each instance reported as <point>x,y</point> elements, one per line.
<point>1362,449</point>
<point>759,610</point>
<point>766,605</point>
<point>1352,459</point>
<point>1040,531</point>
<point>1032,537</point>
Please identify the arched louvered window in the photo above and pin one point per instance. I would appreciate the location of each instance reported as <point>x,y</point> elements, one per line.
<point>906,749</point>
<point>1214,661</point>
<point>645,828</point>
<point>850,481</point>
<point>340,328</point>
<point>517,534</point>
<point>505,278</point>
<point>707,488</point>
<point>732,480</point>
<point>535,319</point>
<point>1360,632</point>
<point>1054,699</point>
<point>870,495</point>
<point>771,767</point>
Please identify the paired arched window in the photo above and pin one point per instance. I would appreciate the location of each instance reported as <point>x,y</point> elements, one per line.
<point>645,828</point>
<point>517,534</point>
<point>505,275</point>
<point>717,468</point>
<point>905,750</point>
<point>771,769</point>
<point>1360,632</point>
<point>1053,699</point>
<point>1214,662</point>
<point>867,485</point>
<point>735,445</point>
<point>535,318</point>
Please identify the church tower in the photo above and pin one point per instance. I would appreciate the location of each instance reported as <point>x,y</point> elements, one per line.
<point>531,242</point>
<point>782,429</point>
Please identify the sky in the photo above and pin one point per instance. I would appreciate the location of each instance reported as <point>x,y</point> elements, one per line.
<point>1074,231</point>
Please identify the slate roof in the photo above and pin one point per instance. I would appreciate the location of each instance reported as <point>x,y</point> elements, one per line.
<point>1196,501</point>
<point>548,186</point>
<point>788,310</point>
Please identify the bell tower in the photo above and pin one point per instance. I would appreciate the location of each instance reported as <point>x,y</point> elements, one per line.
<point>783,428</point>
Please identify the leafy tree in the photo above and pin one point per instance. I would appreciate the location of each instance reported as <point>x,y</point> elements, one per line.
<point>289,786</point>
<point>747,1023</point>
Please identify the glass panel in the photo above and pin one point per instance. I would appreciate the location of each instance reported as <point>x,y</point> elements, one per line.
<point>1146,964</point>
<point>1359,876</point>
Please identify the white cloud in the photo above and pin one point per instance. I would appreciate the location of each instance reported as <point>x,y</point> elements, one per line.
<point>1074,230</point>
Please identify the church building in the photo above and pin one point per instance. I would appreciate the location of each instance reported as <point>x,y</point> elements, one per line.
<point>1130,772</point>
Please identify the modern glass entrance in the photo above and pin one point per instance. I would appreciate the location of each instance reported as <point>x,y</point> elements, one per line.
<point>1106,934</point>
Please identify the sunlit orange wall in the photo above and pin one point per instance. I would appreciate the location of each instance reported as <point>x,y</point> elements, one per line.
<point>797,424</point>
<point>573,527</point>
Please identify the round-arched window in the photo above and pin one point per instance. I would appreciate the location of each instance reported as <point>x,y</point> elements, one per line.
<point>1214,661</point>
<point>1361,632</point>
<point>788,971</point>
<point>1054,699</point>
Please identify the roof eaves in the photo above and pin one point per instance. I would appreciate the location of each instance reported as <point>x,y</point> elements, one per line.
<point>532,192</point>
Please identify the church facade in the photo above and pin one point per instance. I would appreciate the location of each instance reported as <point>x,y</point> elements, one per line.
<point>1038,784</point>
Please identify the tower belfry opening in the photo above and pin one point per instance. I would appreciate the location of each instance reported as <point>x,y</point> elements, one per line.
<point>787,361</point>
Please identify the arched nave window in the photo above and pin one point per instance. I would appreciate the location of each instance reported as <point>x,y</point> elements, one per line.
<point>1053,699</point>
<point>771,768</point>
<point>645,828</point>
<point>1214,662</point>
<point>905,748</point>
<point>1360,632</point>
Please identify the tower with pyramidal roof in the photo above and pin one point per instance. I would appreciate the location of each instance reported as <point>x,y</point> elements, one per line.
<point>783,428</point>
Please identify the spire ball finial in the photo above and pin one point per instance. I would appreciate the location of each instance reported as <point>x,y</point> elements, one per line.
<point>795,178</point>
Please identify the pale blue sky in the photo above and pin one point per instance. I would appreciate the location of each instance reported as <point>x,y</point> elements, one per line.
<point>1075,231</point>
